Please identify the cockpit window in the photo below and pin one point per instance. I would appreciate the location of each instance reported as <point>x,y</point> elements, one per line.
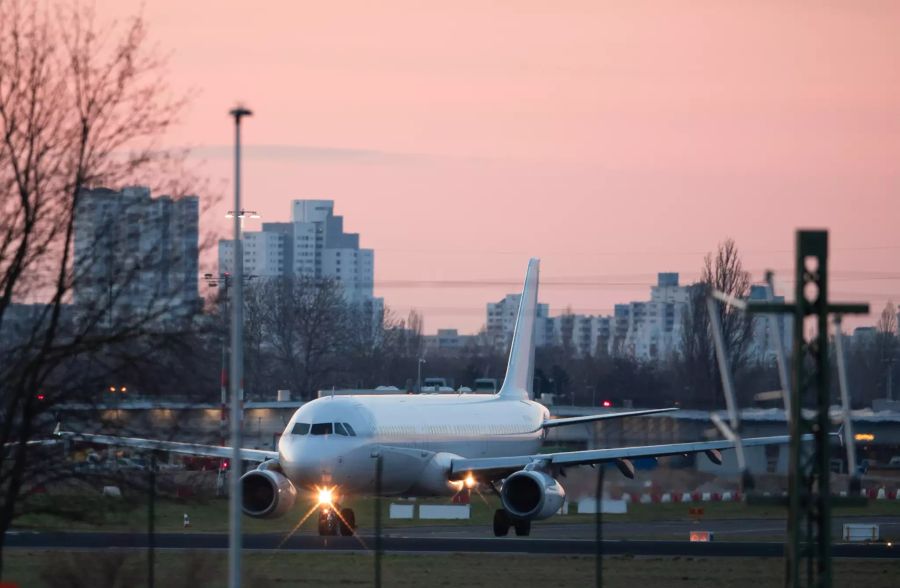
<point>321,429</point>
<point>339,429</point>
<point>300,429</point>
<point>350,429</point>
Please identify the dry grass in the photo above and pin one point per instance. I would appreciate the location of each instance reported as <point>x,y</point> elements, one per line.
<point>38,569</point>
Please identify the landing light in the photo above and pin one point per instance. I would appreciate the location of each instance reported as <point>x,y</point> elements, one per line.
<point>325,496</point>
<point>469,481</point>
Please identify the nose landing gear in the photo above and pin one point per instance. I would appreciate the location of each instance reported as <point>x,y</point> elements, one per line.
<point>334,520</point>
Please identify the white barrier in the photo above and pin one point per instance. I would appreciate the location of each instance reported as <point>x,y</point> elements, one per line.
<point>444,511</point>
<point>706,496</point>
<point>607,506</point>
<point>666,497</point>
<point>686,497</point>
<point>402,511</point>
<point>112,491</point>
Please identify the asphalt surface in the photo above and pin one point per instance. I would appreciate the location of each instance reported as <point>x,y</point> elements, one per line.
<point>724,529</point>
<point>417,544</point>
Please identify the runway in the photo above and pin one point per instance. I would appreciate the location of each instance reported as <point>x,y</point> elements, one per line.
<point>410,544</point>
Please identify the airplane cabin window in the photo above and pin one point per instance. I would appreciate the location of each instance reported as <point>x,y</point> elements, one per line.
<point>321,429</point>
<point>300,429</point>
<point>350,429</point>
<point>339,429</point>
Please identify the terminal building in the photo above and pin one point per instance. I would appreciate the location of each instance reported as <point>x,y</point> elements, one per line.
<point>877,432</point>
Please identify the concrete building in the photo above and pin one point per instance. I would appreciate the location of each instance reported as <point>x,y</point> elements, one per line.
<point>648,330</point>
<point>135,253</point>
<point>762,344</point>
<point>501,320</point>
<point>585,334</point>
<point>313,244</point>
<point>864,336</point>
<point>449,341</point>
<point>654,327</point>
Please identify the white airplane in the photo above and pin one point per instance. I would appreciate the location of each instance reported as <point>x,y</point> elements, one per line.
<point>429,445</point>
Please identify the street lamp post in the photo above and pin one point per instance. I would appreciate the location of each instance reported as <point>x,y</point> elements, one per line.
<point>419,375</point>
<point>237,364</point>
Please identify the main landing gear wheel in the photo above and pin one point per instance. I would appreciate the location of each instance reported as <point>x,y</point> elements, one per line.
<point>348,522</point>
<point>501,523</point>
<point>523,528</point>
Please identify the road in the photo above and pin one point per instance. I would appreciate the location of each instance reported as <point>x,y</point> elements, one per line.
<point>725,529</point>
<point>425,544</point>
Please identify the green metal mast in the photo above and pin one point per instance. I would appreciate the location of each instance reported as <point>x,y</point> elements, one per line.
<point>808,550</point>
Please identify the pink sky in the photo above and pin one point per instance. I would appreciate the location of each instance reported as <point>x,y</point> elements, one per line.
<point>611,139</point>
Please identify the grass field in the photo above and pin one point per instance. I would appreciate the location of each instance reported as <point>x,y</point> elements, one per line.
<point>97,513</point>
<point>38,569</point>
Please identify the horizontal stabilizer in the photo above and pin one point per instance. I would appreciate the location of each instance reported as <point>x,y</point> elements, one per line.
<point>602,417</point>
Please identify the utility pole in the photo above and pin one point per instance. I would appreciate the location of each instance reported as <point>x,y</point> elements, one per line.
<point>808,548</point>
<point>151,523</point>
<point>237,365</point>
<point>223,280</point>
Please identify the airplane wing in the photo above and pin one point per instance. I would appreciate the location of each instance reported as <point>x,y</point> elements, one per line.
<point>496,467</point>
<point>257,455</point>
<point>601,417</point>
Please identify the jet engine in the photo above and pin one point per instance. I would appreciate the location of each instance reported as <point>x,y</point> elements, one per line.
<point>532,495</point>
<point>266,494</point>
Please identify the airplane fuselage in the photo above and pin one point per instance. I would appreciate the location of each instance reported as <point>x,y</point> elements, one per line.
<point>333,441</point>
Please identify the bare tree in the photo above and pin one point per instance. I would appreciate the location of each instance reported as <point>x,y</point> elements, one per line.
<point>78,108</point>
<point>886,346</point>
<point>307,324</point>
<point>723,272</point>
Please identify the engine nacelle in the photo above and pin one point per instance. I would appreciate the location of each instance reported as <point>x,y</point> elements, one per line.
<point>266,494</point>
<point>532,495</point>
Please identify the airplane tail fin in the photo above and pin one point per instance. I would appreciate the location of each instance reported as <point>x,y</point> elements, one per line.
<point>520,370</point>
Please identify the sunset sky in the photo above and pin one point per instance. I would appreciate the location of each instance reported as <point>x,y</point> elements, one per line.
<point>611,139</point>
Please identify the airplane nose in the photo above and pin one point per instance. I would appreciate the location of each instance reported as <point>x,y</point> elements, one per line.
<point>307,462</point>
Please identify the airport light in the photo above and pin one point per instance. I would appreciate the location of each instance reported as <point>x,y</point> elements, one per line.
<point>607,404</point>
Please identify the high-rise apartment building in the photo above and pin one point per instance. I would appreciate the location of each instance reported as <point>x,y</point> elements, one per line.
<point>654,327</point>
<point>135,253</point>
<point>645,330</point>
<point>501,320</point>
<point>312,244</point>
